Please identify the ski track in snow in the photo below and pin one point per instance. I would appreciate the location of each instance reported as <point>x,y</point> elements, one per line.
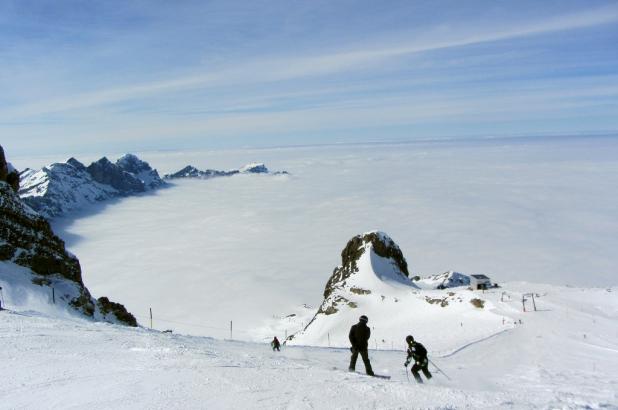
<point>543,363</point>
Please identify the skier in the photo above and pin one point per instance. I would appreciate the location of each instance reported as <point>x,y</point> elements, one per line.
<point>417,352</point>
<point>275,344</point>
<point>359,337</point>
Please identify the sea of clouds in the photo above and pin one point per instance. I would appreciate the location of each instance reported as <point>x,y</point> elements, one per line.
<point>202,253</point>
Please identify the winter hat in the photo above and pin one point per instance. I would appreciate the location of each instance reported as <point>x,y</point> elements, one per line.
<point>363,318</point>
<point>409,339</point>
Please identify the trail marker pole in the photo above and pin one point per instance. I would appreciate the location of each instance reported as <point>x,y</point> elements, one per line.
<point>151,318</point>
<point>533,302</point>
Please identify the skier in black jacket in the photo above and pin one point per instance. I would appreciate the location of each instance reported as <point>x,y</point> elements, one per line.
<point>417,352</point>
<point>275,344</point>
<point>359,337</point>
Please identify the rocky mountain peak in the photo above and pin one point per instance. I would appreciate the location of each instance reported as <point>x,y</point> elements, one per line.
<point>132,164</point>
<point>380,243</point>
<point>76,164</point>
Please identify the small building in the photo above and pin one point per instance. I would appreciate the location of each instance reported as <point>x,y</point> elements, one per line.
<point>479,282</point>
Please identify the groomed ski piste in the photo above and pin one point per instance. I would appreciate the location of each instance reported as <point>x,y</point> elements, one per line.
<point>564,356</point>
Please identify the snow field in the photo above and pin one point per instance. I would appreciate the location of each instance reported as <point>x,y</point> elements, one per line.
<point>543,363</point>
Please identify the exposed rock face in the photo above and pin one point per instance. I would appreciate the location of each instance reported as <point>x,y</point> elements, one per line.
<point>141,170</point>
<point>104,172</point>
<point>4,170</point>
<point>76,164</point>
<point>26,239</point>
<point>382,245</point>
<point>8,174</point>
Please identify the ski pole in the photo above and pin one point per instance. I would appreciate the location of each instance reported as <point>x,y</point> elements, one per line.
<point>437,368</point>
<point>408,377</point>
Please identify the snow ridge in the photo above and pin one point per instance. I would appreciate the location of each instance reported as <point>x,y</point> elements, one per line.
<point>192,172</point>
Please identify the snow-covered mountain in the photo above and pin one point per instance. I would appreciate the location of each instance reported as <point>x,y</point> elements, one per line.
<point>35,267</point>
<point>192,172</point>
<point>254,168</point>
<point>448,279</point>
<point>373,280</point>
<point>60,188</point>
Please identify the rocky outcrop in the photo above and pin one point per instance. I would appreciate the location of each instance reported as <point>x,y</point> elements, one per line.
<point>8,174</point>
<point>381,244</point>
<point>26,239</point>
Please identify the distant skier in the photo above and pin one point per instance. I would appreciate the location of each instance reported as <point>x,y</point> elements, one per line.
<point>275,344</point>
<point>417,352</point>
<point>359,338</point>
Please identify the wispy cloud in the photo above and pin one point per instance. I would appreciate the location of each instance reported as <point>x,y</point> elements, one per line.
<point>218,71</point>
<point>289,68</point>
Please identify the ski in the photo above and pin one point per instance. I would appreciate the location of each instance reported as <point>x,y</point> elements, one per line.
<point>379,376</point>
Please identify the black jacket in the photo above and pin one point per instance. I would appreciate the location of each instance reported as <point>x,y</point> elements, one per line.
<point>359,336</point>
<point>417,352</point>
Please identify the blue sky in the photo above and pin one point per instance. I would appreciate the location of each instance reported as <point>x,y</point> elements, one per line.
<point>84,76</point>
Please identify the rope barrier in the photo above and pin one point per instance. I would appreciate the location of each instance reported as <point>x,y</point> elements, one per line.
<point>191,324</point>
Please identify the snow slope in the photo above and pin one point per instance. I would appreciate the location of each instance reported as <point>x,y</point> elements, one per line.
<point>564,356</point>
<point>27,291</point>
